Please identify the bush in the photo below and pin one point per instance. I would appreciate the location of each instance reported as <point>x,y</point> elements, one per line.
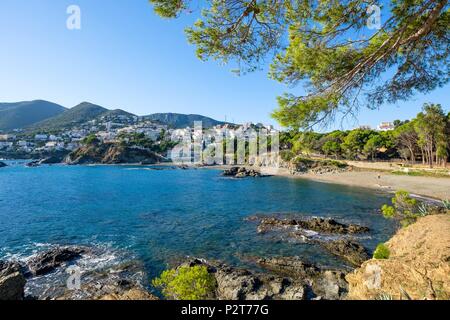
<point>403,207</point>
<point>446,204</point>
<point>381,252</point>
<point>186,283</point>
<point>90,140</point>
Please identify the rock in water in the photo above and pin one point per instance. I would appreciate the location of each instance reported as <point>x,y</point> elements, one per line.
<point>315,224</point>
<point>351,251</point>
<point>2,164</point>
<point>12,281</point>
<point>51,160</point>
<point>241,172</point>
<point>46,262</point>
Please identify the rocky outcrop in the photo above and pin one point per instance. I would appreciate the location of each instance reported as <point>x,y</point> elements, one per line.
<point>349,250</point>
<point>51,160</point>
<point>109,153</point>
<point>320,283</point>
<point>32,164</point>
<point>2,164</point>
<point>241,172</point>
<point>315,224</point>
<point>47,261</point>
<point>134,294</point>
<point>241,284</point>
<point>418,266</point>
<point>12,281</point>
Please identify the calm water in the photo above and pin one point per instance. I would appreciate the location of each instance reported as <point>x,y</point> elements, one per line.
<point>158,216</point>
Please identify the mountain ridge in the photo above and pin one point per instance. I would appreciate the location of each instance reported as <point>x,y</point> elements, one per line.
<point>18,115</point>
<point>63,118</point>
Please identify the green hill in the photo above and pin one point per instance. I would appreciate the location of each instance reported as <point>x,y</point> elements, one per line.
<point>23,114</point>
<point>77,115</point>
<point>176,120</point>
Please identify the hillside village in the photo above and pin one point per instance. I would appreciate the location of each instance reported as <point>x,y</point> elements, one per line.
<point>34,141</point>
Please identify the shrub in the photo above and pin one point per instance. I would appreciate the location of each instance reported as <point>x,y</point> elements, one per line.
<point>381,252</point>
<point>287,155</point>
<point>90,140</point>
<point>404,207</point>
<point>446,204</point>
<point>186,283</point>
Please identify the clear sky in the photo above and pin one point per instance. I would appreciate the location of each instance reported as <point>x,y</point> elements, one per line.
<point>126,57</point>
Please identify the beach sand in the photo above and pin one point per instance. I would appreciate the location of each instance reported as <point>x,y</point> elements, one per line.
<point>430,187</point>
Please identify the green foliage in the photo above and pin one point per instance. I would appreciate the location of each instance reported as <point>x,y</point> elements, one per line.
<point>320,45</point>
<point>381,252</point>
<point>287,155</point>
<point>403,207</point>
<point>186,283</point>
<point>388,211</point>
<point>446,204</point>
<point>90,140</point>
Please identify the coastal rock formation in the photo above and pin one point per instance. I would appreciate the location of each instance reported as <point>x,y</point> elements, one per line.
<point>51,160</point>
<point>418,266</point>
<point>241,284</point>
<point>12,281</point>
<point>109,153</point>
<point>46,262</point>
<point>2,164</point>
<point>133,294</point>
<point>241,172</point>
<point>326,284</point>
<point>33,164</point>
<point>349,250</point>
<point>315,224</point>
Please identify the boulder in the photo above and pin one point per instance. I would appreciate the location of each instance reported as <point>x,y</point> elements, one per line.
<point>12,281</point>
<point>241,172</point>
<point>349,250</point>
<point>327,284</point>
<point>2,164</point>
<point>46,262</point>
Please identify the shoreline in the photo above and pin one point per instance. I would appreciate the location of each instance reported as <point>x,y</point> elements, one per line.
<point>425,187</point>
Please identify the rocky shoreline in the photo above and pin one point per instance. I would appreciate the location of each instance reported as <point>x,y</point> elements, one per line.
<point>44,276</point>
<point>418,268</point>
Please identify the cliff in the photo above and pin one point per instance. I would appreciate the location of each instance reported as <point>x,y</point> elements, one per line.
<point>109,153</point>
<point>418,266</point>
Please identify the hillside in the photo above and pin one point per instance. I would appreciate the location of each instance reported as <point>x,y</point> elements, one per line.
<point>176,120</point>
<point>79,114</point>
<point>43,116</point>
<point>23,114</point>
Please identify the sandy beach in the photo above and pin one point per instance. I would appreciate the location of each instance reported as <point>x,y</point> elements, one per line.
<point>430,187</point>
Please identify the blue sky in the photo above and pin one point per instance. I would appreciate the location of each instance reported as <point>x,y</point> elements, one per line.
<point>126,57</point>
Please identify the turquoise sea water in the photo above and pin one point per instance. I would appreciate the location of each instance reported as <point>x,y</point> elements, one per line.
<point>161,215</point>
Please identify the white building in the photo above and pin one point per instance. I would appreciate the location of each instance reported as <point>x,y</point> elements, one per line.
<point>41,137</point>
<point>386,126</point>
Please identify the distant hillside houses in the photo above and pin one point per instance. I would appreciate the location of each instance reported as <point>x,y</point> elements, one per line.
<point>386,126</point>
<point>383,126</point>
